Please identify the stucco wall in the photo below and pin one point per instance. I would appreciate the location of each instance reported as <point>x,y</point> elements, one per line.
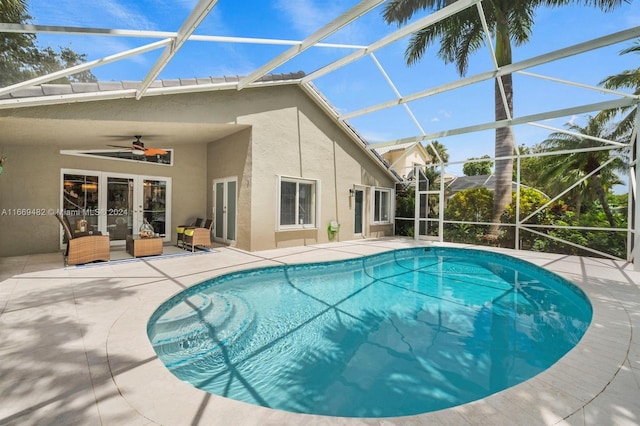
<point>297,139</point>
<point>32,181</point>
<point>232,157</point>
<point>279,131</point>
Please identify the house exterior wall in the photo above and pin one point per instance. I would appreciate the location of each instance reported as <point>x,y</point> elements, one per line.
<point>296,139</point>
<point>227,158</point>
<point>280,131</point>
<point>30,190</point>
<point>403,162</point>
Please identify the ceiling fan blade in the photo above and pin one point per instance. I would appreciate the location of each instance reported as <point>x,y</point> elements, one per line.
<point>154,151</point>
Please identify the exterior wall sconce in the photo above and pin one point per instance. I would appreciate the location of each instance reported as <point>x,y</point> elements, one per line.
<point>352,192</point>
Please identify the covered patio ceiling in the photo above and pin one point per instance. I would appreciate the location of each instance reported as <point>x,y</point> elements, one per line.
<point>96,134</point>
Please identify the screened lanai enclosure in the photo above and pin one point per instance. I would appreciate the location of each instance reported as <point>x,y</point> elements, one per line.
<point>560,143</point>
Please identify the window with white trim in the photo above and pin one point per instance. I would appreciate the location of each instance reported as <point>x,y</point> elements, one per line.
<point>297,202</point>
<point>382,205</point>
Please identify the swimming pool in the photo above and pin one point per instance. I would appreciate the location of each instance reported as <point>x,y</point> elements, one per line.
<point>399,333</point>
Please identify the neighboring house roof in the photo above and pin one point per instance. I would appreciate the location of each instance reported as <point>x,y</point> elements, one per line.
<point>481,181</point>
<point>469,182</point>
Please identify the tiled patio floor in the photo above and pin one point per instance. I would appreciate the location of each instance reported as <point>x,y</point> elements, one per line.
<point>74,349</point>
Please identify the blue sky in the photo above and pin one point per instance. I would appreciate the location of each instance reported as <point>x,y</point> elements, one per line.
<point>359,84</point>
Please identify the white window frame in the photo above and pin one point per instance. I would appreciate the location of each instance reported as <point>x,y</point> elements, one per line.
<point>391,209</point>
<point>316,200</point>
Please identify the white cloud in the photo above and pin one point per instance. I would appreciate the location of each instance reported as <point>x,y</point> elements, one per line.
<point>306,16</point>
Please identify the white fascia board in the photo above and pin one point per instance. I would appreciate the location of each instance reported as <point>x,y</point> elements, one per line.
<point>507,69</point>
<point>65,99</point>
<point>393,37</point>
<point>332,27</point>
<point>129,93</point>
<point>197,15</point>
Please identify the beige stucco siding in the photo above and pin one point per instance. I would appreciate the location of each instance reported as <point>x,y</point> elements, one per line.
<point>231,157</point>
<point>32,181</point>
<point>253,134</point>
<point>297,139</point>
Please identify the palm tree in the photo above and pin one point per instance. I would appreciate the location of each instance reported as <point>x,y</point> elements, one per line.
<point>440,149</point>
<point>12,9</point>
<point>510,21</point>
<point>579,164</point>
<point>628,79</point>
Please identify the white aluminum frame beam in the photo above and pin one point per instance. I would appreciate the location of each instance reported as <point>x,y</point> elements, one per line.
<point>527,119</point>
<point>393,37</point>
<point>50,29</point>
<point>197,15</point>
<point>337,24</point>
<point>508,69</point>
<point>86,66</point>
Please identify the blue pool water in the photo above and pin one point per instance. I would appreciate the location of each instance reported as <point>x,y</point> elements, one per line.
<point>395,334</point>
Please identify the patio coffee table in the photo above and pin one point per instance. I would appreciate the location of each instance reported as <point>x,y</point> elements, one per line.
<point>137,246</point>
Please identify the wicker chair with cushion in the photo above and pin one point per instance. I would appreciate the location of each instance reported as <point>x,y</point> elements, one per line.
<point>198,236</point>
<point>84,247</point>
<point>181,228</point>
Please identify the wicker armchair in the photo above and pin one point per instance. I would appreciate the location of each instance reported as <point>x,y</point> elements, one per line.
<point>84,247</point>
<point>181,228</point>
<point>198,236</point>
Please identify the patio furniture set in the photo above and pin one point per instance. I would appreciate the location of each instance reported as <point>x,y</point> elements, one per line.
<point>91,246</point>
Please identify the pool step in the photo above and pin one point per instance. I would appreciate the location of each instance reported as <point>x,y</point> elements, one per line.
<point>185,336</point>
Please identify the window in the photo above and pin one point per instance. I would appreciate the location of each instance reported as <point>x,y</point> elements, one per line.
<point>381,205</point>
<point>124,154</point>
<point>297,203</point>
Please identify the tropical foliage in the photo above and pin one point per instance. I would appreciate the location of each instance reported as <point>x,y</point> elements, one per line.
<point>565,170</point>
<point>462,34</point>
<point>474,167</point>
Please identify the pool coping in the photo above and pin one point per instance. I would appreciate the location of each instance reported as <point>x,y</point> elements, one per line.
<point>562,389</point>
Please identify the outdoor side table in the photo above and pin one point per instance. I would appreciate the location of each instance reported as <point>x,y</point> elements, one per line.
<point>138,247</point>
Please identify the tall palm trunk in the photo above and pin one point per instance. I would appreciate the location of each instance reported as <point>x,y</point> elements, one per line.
<point>504,135</point>
<point>595,181</point>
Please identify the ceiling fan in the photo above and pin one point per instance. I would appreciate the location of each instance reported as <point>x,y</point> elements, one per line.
<point>137,148</point>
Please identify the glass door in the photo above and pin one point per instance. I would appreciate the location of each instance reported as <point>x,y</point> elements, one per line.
<point>154,204</point>
<point>119,208</point>
<point>116,204</point>
<point>80,199</point>
<point>129,200</point>
<point>224,209</point>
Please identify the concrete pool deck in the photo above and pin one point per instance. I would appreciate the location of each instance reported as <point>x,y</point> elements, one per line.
<point>74,347</point>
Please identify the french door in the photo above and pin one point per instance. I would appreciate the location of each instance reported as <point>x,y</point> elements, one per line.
<point>225,193</point>
<point>117,204</point>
